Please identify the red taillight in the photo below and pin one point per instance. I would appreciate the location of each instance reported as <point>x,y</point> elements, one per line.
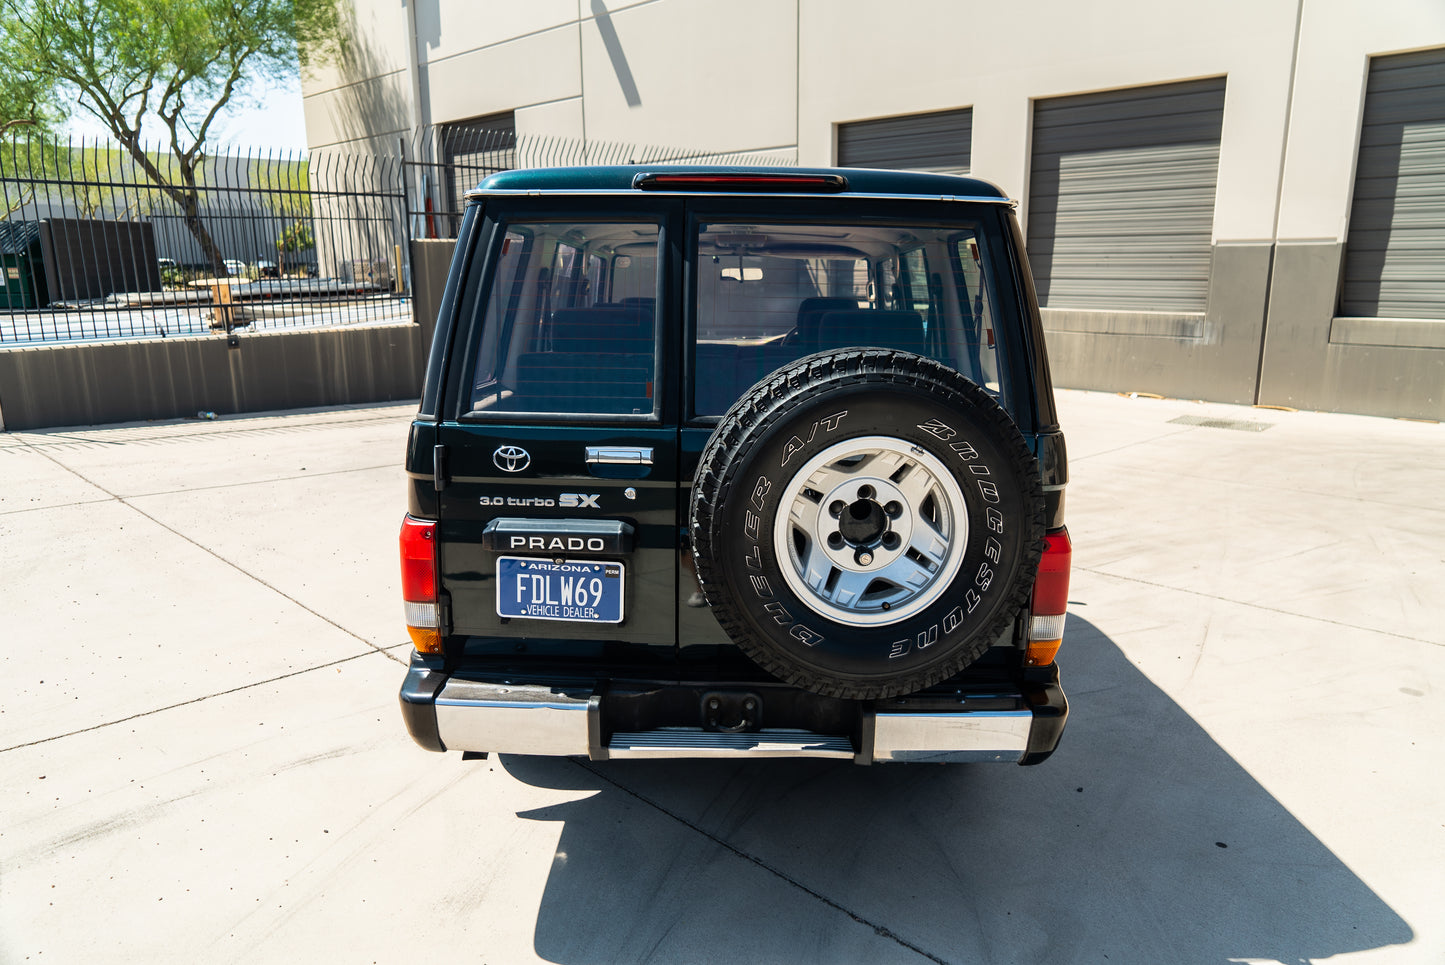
<point>418,582</point>
<point>1050,601</point>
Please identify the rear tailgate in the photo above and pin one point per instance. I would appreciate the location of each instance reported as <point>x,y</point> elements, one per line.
<point>524,502</point>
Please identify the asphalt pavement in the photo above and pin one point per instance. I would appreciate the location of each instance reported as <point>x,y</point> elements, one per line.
<point>201,756</point>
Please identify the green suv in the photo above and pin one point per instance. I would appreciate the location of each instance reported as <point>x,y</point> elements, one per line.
<point>737,462</point>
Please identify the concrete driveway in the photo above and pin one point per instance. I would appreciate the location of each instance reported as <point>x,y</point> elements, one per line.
<point>201,757</point>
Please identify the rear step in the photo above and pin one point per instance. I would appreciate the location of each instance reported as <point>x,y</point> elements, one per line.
<point>695,742</point>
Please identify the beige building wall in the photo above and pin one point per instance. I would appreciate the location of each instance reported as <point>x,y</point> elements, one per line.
<point>715,76</point>
<point>779,76</point>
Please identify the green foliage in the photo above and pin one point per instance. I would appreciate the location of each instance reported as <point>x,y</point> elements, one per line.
<point>287,184</point>
<point>176,62</point>
<point>28,106</point>
<point>29,111</point>
<point>96,180</point>
<point>296,237</point>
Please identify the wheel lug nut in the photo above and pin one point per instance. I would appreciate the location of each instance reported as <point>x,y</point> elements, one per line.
<point>893,510</point>
<point>836,507</point>
<point>864,558</point>
<point>891,541</point>
<point>835,540</point>
<point>865,492</point>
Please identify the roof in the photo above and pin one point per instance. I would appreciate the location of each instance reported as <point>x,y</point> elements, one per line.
<point>619,178</point>
<point>16,237</point>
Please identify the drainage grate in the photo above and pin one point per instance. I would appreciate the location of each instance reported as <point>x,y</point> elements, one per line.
<point>1240,425</point>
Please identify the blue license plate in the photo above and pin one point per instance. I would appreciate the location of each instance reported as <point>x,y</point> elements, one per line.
<point>580,591</point>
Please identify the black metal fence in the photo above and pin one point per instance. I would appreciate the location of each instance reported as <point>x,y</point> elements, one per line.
<point>98,242</point>
<point>444,162</point>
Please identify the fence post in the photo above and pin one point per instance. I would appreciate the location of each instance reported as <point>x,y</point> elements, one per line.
<point>403,268</point>
<point>405,188</point>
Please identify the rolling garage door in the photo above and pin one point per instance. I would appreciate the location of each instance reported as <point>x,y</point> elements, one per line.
<point>939,142</point>
<point>1395,251</point>
<point>1121,197</point>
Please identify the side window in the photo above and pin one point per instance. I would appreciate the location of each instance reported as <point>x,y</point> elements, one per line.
<point>569,325</point>
<point>569,283</point>
<point>979,361</point>
<point>906,287</point>
<point>506,290</point>
<point>914,278</point>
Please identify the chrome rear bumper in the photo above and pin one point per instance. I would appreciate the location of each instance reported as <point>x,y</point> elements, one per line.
<point>448,713</point>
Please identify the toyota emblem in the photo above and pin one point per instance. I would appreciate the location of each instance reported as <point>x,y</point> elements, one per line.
<point>511,458</point>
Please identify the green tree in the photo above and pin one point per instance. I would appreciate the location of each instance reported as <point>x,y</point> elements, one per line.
<point>28,113</point>
<point>296,237</point>
<point>28,106</point>
<point>177,63</point>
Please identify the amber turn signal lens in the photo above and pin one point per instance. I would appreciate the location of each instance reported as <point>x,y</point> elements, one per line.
<point>1041,653</point>
<point>426,639</point>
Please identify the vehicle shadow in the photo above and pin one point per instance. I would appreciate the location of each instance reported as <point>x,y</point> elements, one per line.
<point>1141,840</point>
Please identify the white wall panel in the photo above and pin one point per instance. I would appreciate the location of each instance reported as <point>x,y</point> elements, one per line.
<point>447,28</point>
<point>556,119</point>
<point>358,112</point>
<point>378,32</point>
<point>703,73</point>
<point>535,69</point>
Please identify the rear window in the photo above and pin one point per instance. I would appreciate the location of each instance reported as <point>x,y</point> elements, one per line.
<point>569,323</point>
<point>771,293</point>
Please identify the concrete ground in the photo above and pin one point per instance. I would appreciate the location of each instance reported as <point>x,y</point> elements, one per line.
<point>201,757</point>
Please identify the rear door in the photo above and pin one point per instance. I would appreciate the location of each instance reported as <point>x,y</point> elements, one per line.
<point>772,281</point>
<point>559,514</point>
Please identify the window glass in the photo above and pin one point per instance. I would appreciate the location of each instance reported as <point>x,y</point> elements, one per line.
<point>771,293</point>
<point>569,324</point>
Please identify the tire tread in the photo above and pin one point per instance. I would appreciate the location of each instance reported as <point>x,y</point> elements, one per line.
<point>763,405</point>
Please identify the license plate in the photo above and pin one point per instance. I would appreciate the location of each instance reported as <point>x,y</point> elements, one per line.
<point>579,591</point>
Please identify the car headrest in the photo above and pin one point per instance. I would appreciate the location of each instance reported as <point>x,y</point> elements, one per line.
<point>901,330</point>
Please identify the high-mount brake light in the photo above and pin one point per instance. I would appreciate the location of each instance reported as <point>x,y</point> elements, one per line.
<point>418,583</point>
<point>1050,601</point>
<point>782,182</point>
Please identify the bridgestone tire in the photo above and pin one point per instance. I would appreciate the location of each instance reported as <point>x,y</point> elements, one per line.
<point>866,523</point>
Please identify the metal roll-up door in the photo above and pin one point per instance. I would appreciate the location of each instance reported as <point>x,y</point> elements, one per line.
<point>940,142</point>
<point>1121,197</point>
<point>1395,251</point>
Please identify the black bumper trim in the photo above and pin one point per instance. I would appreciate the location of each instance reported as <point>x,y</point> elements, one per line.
<point>424,680</point>
<point>1051,712</point>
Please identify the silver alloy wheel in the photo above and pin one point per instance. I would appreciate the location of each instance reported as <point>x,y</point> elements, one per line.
<point>870,531</point>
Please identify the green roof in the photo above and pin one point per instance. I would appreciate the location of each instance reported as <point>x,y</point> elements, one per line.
<point>619,178</point>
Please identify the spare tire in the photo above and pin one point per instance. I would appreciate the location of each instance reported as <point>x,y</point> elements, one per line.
<point>866,523</point>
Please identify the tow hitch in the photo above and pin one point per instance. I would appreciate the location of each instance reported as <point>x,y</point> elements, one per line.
<point>731,712</point>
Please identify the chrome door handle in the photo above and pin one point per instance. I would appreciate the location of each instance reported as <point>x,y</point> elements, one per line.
<point>619,456</point>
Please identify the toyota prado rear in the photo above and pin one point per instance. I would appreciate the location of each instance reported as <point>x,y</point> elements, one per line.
<point>737,462</point>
